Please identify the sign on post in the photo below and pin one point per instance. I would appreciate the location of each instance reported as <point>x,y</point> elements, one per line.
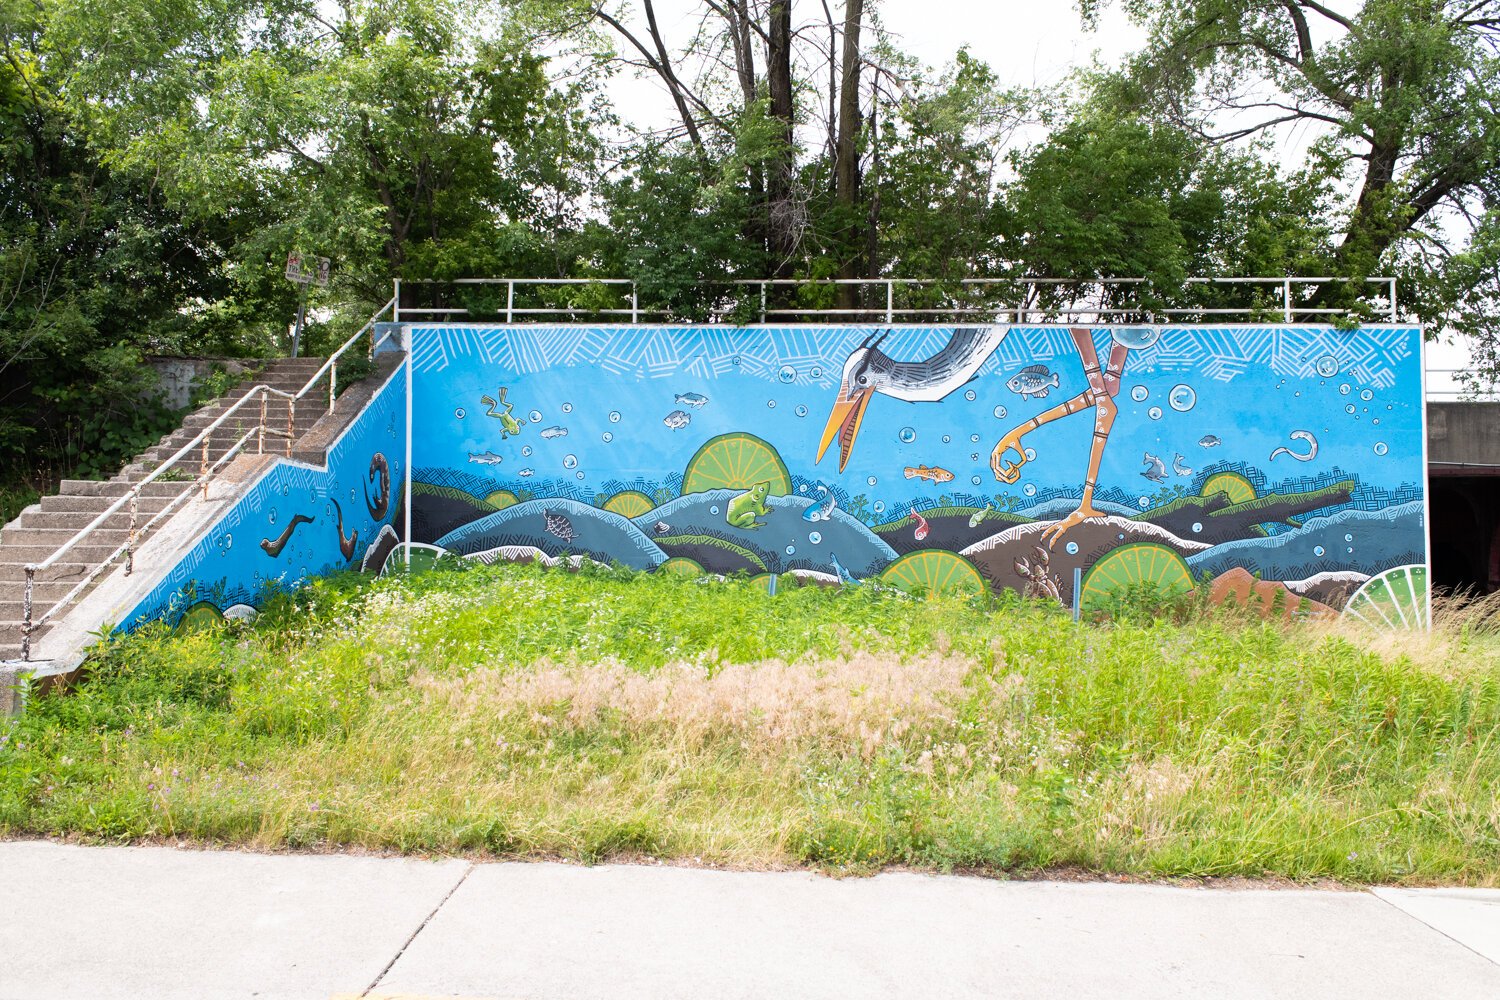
<point>306,271</point>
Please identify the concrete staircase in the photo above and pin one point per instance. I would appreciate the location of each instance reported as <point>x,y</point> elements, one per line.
<point>45,527</point>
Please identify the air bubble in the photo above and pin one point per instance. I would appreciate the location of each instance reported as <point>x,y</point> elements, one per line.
<point>1380,448</point>
<point>1000,412</point>
<point>1344,389</point>
<point>1144,502</point>
<point>871,481</point>
<point>1350,551</point>
<point>1154,413</point>
<point>714,509</point>
<point>787,375</point>
<point>971,395</point>
<point>580,473</point>
<point>815,537</point>
<point>1072,548</point>
<point>614,416</point>
<point>570,461</point>
<point>567,407</point>
<point>608,437</point>
<point>791,550</point>
<point>770,404</point>
<point>535,416</point>
<point>1030,454</point>
<point>976,480</point>
<point>1029,490</point>
<point>272,515</point>
<point>907,435</point>
<point>1318,550</point>
<point>1197,527</point>
<point>1349,408</point>
<point>1182,398</point>
<point>1366,395</point>
<point>879,507</point>
<point>815,372</point>
<point>228,540</point>
<point>974,456</point>
<point>735,360</point>
<point>973,438</point>
<point>1348,538</point>
<point>459,413</point>
<point>526,451</point>
<point>1139,393</point>
<point>801,411</point>
<point>947,439</point>
<point>1328,366</point>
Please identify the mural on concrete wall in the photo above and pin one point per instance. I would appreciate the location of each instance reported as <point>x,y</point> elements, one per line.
<point>298,521</point>
<point>1276,463</point>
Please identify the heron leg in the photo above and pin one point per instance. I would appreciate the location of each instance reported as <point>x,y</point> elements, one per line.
<point>1104,384</point>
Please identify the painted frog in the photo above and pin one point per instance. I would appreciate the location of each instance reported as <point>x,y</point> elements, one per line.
<point>744,508</point>
<point>509,425</point>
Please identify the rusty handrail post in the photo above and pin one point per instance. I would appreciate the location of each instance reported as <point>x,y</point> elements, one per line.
<point>291,420</point>
<point>203,468</point>
<point>26,614</point>
<point>333,381</point>
<point>130,539</point>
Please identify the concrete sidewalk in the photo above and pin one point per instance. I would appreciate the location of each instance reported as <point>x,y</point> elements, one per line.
<point>158,923</point>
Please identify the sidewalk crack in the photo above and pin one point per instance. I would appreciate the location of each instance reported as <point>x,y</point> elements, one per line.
<point>1436,930</point>
<point>420,928</point>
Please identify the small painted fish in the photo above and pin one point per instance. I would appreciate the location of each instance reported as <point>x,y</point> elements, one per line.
<point>822,509</point>
<point>693,399</point>
<point>922,525</point>
<point>1180,466</point>
<point>1036,381</point>
<point>844,575</point>
<point>934,474</point>
<point>980,515</point>
<point>485,458</point>
<point>661,527</point>
<point>677,419</point>
<point>1156,469</point>
<point>526,473</point>
<point>559,526</point>
<point>1209,441</point>
<point>555,432</point>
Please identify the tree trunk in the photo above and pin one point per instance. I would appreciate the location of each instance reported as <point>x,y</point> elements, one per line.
<point>846,151</point>
<point>781,221</point>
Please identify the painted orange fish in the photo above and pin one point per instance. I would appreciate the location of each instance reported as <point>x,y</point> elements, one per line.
<point>934,474</point>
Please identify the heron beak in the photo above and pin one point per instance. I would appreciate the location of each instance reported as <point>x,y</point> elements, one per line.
<point>844,421</point>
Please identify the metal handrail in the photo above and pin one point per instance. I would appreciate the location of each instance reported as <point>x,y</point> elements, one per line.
<point>206,470</point>
<point>1286,285</point>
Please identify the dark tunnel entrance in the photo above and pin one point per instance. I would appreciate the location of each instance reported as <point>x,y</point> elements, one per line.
<point>1465,529</point>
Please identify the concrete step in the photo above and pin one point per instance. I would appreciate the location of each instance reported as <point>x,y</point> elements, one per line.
<point>76,520</point>
<point>114,490</point>
<point>14,573</point>
<point>57,536</point>
<point>145,504</point>
<point>46,593</point>
<point>86,551</point>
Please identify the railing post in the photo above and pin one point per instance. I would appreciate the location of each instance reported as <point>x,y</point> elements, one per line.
<point>260,441</point>
<point>1393,314</point>
<point>333,382</point>
<point>396,302</point>
<point>890,301</point>
<point>130,539</point>
<point>1286,298</point>
<point>291,423</point>
<point>635,304</point>
<point>26,613</point>
<point>203,466</point>
<point>762,303</point>
<point>510,301</point>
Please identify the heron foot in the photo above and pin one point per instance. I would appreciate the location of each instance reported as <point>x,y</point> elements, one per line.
<point>1005,471</point>
<point>1055,531</point>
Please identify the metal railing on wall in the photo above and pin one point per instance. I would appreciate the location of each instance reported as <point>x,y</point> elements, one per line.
<point>888,300</point>
<point>181,463</point>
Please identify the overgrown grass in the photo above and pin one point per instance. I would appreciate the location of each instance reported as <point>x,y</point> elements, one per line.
<point>529,712</point>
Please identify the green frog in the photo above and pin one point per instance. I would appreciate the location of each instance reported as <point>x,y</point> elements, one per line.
<point>744,508</point>
<point>509,425</point>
